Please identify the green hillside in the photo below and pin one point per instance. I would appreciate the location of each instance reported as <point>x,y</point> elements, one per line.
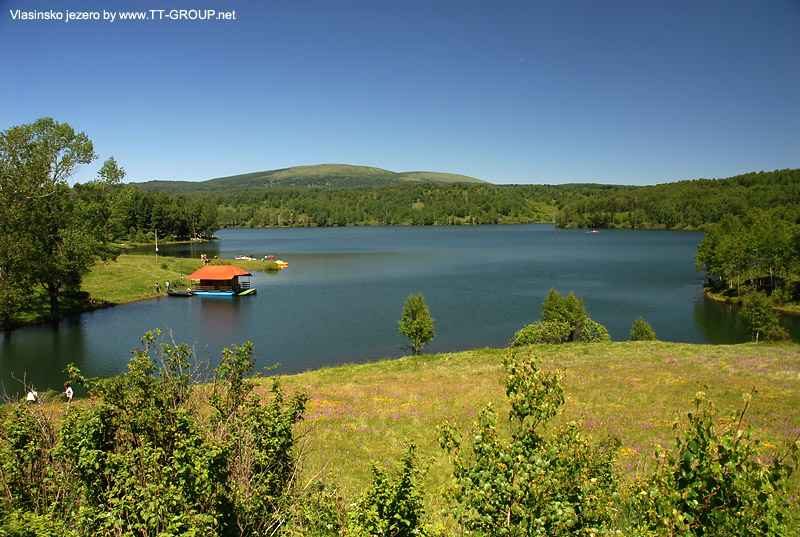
<point>319,176</point>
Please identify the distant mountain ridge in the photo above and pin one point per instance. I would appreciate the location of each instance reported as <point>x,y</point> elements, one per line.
<point>317,176</point>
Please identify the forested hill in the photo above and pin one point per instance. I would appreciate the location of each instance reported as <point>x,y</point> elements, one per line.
<point>319,176</point>
<point>684,204</point>
<point>339,195</point>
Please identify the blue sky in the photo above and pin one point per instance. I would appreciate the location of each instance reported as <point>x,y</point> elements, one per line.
<point>620,92</point>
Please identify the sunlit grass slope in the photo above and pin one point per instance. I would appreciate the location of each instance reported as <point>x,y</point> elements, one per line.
<point>320,175</point>
<point>636,391</point>
<point>134,276</point>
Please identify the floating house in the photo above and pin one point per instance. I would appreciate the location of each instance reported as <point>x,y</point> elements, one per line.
<point>222,280</point>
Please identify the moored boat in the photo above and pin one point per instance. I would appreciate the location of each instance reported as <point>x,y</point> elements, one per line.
<point>187,292</point>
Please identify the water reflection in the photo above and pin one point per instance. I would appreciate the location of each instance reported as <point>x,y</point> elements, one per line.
<point>719,322</point>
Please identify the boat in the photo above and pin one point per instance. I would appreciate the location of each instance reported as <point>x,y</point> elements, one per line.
<point>187,292</point>
<point>281,263</point>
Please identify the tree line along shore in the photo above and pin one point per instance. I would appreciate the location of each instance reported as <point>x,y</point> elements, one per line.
<point>52,235</point>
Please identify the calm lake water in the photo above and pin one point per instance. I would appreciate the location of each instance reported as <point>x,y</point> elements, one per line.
<point>342,295</point>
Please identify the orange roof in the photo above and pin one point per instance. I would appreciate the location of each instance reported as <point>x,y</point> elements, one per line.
<point>218,272</point>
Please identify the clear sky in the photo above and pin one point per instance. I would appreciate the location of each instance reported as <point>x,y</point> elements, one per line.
<point>549,91</point>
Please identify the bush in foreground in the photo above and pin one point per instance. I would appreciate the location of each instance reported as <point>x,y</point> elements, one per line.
<point>531,483</point>
<point>154,453</point>
<point>147,457</point>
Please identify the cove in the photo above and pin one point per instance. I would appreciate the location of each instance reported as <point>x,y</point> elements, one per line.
<point>340,299</point>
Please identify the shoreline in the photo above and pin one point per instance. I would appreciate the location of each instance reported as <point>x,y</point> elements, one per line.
<point>793,311</point>
<point>129,278</point>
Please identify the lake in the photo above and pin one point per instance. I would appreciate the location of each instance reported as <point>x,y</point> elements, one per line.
<point>342,295</point>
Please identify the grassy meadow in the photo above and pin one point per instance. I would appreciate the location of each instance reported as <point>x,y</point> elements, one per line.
<point>359,414</point>
<point>128,278</point>
<point>134,276</point>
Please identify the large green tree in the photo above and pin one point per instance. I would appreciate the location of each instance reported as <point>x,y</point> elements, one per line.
<point>52,234</point>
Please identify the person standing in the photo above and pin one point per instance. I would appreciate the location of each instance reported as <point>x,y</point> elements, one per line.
<point>167,286</point>
<point>68,392</point>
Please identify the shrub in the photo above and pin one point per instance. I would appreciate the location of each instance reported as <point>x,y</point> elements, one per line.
<point>530,484</point>
<point>642,331</point>
<point>145,458</point>
<point>390,506</point>
<point>28,524</point>
<point>593,332</point>
<point>714,483</point>
<point>33,481</point>
<point>563,319</point>
<point>144,462</point>
<point>543,332</point>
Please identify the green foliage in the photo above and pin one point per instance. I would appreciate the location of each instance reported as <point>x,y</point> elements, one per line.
<point>569,310</point>
<point>142,213</point>
<point>530,483</point>
<point>551,332</point>
<point>642,331</point>
<point>416,323</point>
<point>390,507</point>
<point>714,483</point>
<point>417,203</point>
<point>144,459</point>
<point>50,235</point>
<point>682,204</point>
<point>563,319</point>
<point>33,478</point>
<point>759,250</point>
<point>593,332</point>
<point>29,524</point>
<point>557,308</point>
<point>337,195</point>
<point>760,317</point>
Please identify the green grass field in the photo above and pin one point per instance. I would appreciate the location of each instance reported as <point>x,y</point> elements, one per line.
<point>358,414</point>
<point>133,277</point>
<point>128,278</point>
<point>363,414</point>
